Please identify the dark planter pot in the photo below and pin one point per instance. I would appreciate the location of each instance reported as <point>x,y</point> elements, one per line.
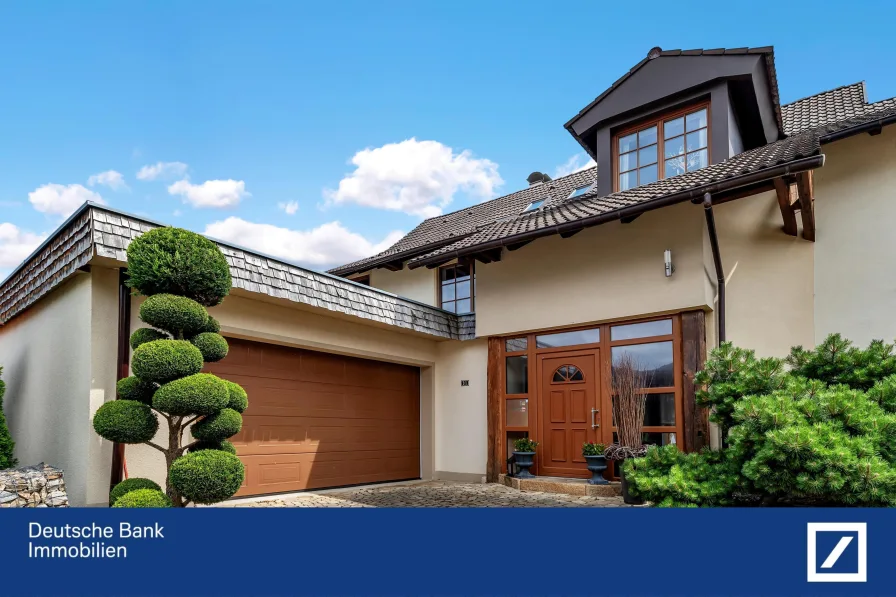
<point>524,460</point>
<point>597,464</point>
<point>626,497</point>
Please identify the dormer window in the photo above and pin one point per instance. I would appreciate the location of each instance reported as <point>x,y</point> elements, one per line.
<point>534,205</point>
<point>668,146</point>
<point>580,191</point>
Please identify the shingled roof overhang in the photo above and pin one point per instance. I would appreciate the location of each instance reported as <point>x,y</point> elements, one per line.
<point>99,234</point>
<point>396,260</point>
<point>694,194</point>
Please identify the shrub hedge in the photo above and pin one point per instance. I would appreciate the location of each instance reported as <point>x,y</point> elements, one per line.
<point>207,476</point>
<point>143,498</point>
<point>201,394</point>
<point>178,315</point>
<point>134,388</point>
<point>144,335</point>
<point>129,485</point>
<point>224,446</point>
<point>218,426</point>
<point>125,422</point>
<point>212,346</point>
<point>164,360</point>
<point>239,400</point>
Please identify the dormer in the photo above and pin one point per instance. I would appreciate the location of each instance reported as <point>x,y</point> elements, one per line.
<point>678,111</point>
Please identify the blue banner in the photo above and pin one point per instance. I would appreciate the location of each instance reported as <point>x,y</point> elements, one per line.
<point>601,551</point>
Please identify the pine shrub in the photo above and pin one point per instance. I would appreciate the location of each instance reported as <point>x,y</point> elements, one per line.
<point>821,433</point>
<point>180,273</point>
<point>6,443</point>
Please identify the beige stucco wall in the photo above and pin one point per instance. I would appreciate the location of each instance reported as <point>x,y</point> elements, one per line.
<point>460,411</point>
<point>46,358</point>
<point>602,273</point>
<point>769,278</point>
<point>855,249</point>
<point>416,284</point>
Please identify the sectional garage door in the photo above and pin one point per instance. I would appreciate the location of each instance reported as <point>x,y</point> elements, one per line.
<point>321,420</point>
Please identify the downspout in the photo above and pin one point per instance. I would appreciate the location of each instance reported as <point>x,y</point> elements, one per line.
<point>717,261</point>
<point>122,369</point>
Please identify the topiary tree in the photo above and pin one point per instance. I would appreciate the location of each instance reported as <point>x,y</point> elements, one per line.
<point>181,274</point>
<point>821,434</point>
<point>6,443</point>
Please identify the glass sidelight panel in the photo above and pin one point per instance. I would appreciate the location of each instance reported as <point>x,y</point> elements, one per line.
<point>656,438</point>
<point>568,338</point>
<point>659,410</point>
<point>518,412</point>
<point>517,374</point>
<point>641,330</point>
<point>655,357</point>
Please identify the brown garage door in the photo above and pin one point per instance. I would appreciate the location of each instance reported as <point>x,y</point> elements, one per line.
<point>322,420</point>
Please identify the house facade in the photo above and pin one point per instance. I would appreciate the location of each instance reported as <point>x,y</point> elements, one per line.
<point>714,213</point>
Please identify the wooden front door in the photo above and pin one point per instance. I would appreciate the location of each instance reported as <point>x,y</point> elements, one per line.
<point>569,385</point>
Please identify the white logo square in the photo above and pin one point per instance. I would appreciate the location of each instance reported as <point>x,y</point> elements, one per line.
<point>815,573</point>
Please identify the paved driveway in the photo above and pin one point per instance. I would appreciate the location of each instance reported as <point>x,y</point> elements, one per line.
<point>435,494</point>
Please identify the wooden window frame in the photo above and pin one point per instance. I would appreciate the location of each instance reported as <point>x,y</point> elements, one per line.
<point>660,143</point>
<point>471,263</point>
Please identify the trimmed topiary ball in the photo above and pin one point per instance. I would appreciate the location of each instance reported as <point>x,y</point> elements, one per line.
<point>129,485</point>
<point>143,498</point>
<point>239,400</point>
<point>219,426</point>
<point>134,388</point>
<point>144,335</point>
<point>125,422</point>
<point>164,360</point>
<point>176,314</point>
<point>224,446</point>
<point>177,261</point>
<point>212,326</point>
<point>201,394</point>
<point>207,476</point>
<point>212,346</point>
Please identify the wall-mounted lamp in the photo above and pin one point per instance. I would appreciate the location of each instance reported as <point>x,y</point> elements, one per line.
<point>667,258</point>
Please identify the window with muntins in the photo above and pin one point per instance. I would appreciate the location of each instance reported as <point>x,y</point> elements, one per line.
<point>668,146</point>
<point>456,289</point>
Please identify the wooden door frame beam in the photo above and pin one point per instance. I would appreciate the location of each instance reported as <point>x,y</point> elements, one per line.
<point>806,187</point>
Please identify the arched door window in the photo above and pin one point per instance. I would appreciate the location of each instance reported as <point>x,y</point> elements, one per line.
<point>567,374</point>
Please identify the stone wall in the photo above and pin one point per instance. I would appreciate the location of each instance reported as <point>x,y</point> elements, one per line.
<point>39,486</point>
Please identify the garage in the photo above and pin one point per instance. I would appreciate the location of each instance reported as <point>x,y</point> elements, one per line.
<point>319,420</point>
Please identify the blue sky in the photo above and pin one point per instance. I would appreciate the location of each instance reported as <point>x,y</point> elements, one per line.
<point>256,111</point>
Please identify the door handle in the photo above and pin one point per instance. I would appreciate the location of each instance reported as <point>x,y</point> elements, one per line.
<point>594,425</point>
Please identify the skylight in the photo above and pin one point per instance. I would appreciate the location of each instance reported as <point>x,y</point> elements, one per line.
<point>580,191</point>
<point>534,205</point>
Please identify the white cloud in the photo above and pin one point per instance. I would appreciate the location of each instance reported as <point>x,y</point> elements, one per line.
<point>110,178</point>
<point>576,163</point>
<point>290,207</point>
<point>62,200</point>
<point>163,170</point>
<point>15,245</point>
<point>326,246</point>
<point>211,193</point>
<point>415,177</point>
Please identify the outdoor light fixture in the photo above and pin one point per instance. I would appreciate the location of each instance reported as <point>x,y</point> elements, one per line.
<point>667,258</point>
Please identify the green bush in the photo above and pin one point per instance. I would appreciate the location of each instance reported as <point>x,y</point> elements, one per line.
<point>212,326</point>
<point>201,394</point>
<point>219,426</point>
<point>177,261</point>
<point>212,346</point>
<point>144,335</point>
<point>6,443</point>
<point>207,476</point>
<point>239,400</point>
<point>163,360</point>
<point>134,388</point>
<point>129,485</point>
<point>143,498</point>
<point>180,316</point>
<point>125,422</point>
<point>822,434</point>
<point>224,446</point>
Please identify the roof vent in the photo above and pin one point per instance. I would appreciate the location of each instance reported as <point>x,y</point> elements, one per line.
<point>654,52</point>
<point>537,178</point>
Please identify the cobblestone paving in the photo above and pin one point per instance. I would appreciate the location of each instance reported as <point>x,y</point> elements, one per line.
<point>436,494</point>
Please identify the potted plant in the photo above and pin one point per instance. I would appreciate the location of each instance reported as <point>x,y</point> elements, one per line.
<point>597,462</point>
<point>524,455</point>
<point>628,380</point>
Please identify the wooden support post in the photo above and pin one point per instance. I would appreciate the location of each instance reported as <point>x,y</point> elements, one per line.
<point>693,348</point>
<point>782,189</point>
<point>806,189</point>
<point>494,381</point>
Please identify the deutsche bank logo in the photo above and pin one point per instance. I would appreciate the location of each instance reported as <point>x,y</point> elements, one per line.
<point>837,552</point>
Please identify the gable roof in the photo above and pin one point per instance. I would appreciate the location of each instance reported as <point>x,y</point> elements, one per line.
<point>810,122</point>
<point>99,231</point>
